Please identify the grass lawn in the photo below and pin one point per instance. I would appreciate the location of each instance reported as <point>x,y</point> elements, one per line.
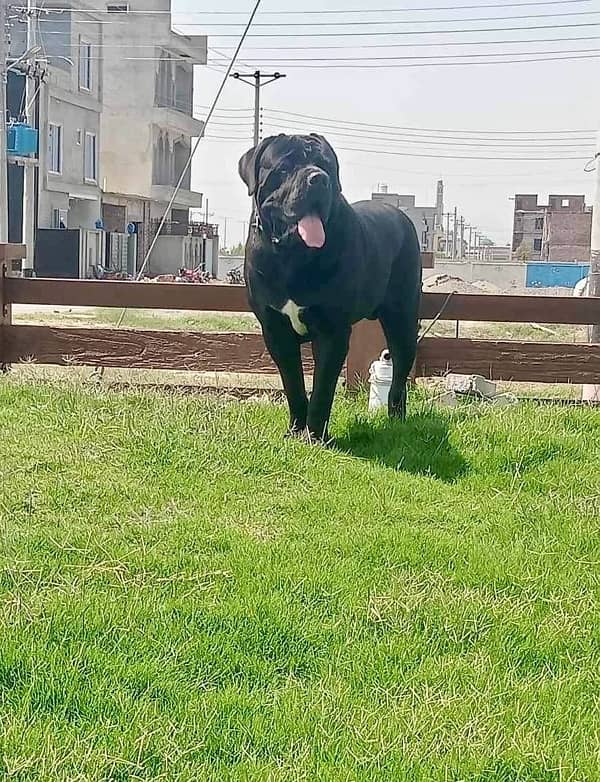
<point>185,596</point>
<point>162,320</point>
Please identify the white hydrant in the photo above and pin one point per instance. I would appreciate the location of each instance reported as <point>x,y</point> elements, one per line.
<point>380,381</point>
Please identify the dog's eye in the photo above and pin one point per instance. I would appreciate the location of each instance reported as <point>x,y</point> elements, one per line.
<point>277,177</point>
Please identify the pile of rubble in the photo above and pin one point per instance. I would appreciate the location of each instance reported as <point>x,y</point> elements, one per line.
<point>473,387</point>
<point>446,283</point>
<point>196,276</point>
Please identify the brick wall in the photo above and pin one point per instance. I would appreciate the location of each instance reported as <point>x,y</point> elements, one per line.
<point>567,236</point>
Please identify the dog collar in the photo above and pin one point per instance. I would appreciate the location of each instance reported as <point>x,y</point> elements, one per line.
<point>256,224</point>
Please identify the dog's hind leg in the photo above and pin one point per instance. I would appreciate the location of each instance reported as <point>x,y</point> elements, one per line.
<point>284,347</point>
<point>401,335</point>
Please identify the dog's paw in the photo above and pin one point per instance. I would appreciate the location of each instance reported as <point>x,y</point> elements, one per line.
<point>297,434</point>
<point>308,437</point>
<point>324,441</point>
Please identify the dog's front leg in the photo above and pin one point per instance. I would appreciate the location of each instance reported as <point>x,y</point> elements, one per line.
<point>329,352</point>
<point>284,347</point>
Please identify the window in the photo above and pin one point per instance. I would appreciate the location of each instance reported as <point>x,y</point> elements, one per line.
<point>90,173</point>
<point>565,202</point>
<point>85,65</point>
<point>539,223</point>
<point>59,218</point>
<point>118,8</point>
<point>537,245</point>
<point>54,149</point>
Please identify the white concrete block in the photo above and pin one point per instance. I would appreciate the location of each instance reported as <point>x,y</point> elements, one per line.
<point>472,385</point>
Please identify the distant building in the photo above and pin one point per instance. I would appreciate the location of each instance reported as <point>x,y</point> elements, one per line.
<point>558,231</point>
<point>428,220</point>
<point>148,123</point>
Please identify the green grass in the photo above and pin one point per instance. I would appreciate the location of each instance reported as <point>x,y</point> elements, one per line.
<point>99,317</point>
<point>186,596</point>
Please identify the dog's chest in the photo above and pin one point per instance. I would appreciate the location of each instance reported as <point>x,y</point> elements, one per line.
<point>294,313</point>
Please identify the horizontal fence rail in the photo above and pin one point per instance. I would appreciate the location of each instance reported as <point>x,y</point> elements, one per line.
<point>232,298</point>
<point>543,362</point>
<point>140,349</point>
<point>246,352</point>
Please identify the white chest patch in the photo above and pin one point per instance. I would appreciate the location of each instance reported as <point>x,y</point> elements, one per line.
<point>293,311</point>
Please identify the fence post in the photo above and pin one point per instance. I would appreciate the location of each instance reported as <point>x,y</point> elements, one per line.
<point>366,343</point>
<point>9,255</point>
<point>5,312</point>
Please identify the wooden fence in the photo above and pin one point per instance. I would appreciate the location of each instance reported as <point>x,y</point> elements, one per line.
<point>245,352</point>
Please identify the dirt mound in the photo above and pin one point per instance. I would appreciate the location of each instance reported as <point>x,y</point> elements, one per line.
<point>445,283</point>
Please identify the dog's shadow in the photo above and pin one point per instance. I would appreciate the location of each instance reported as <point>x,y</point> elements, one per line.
<point>420,445</point>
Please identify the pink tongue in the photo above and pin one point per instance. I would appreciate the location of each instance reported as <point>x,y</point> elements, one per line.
<point>311,231</point>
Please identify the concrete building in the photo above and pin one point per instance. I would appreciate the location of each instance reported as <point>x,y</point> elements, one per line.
<point>69,104</point>
<point>428,220</point>
<point>558,231</point>
<point>147,116</point>
<point>115,120</point>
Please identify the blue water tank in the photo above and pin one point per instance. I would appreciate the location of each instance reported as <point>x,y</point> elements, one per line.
<point>22,140</point>
<point>545,274</point>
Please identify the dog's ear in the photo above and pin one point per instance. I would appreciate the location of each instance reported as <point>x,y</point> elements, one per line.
<point>331,158</point>
<point>250,162</point>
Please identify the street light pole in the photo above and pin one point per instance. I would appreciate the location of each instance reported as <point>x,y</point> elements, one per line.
<point>258,80</point>
<point>591,392</point>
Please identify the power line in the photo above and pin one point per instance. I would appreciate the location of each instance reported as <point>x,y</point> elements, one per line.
<point>421,56</point>
<point>363,22</point>
<point>371,62</point>
<point>225,56</point>
<point>310,12</point>
<point>456,157</point>
<point>224,108</point>
<point>385,32</point>
<point>354,46</point>
<point>425,153</point>
<point>448,141</point>
<point>413,32</point>
<point>247,139</point>
<point>377,135</point>
<point>462,132</point>
<point>375,66</point>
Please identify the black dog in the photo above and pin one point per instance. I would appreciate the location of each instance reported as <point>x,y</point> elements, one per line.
<point>315,265</point>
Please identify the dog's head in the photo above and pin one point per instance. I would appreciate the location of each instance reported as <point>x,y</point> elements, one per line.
<point>295,182</point>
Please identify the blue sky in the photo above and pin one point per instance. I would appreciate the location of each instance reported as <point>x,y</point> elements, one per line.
<point>553,95</point>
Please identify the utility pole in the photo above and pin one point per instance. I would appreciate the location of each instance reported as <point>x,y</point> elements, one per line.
<point>447,248</point>
<point>455,235</point>
<point>462,237</point>
<point>470,241</point>
<point>591,392</point>
<point>206,211</point>
<point>259,80</point>
<point>29,195</point>
<point>3,157</point>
